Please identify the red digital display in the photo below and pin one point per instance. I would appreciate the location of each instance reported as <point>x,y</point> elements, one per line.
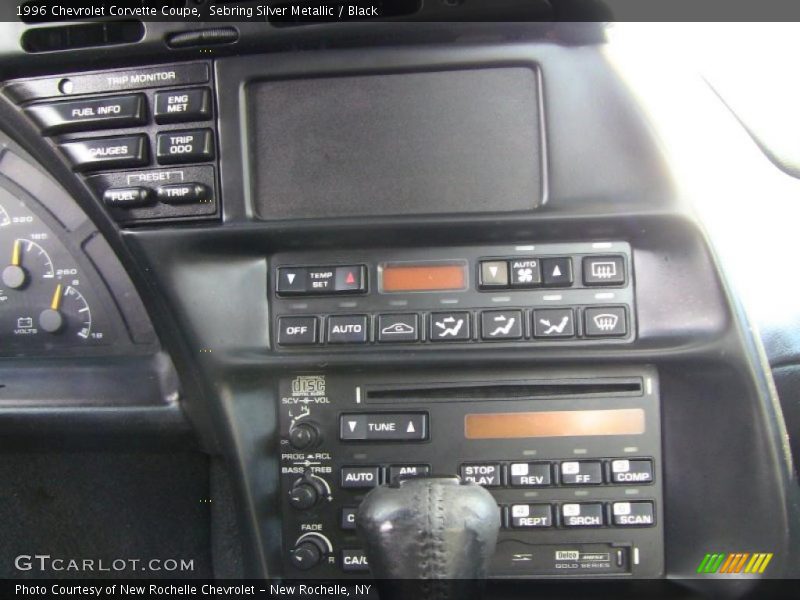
<point>423,277</point>
<point>561,423</point>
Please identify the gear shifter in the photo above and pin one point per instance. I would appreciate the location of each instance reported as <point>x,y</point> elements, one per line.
<point>429,537</point>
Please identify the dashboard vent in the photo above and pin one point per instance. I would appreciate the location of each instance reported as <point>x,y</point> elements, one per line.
<point>86,35</point>
<point>506,390</point>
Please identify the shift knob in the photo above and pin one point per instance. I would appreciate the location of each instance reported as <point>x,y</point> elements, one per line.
<point>423,529</point>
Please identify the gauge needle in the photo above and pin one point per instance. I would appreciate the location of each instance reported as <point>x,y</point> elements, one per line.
<point>15,254</point>
<point>56,301</point>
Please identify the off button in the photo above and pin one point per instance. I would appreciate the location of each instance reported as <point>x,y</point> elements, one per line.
<point>297,331</point>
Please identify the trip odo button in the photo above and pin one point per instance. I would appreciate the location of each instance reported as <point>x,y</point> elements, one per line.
<point>194,145</point>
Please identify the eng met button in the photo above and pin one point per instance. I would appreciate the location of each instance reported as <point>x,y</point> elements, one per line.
<point>383,426</point>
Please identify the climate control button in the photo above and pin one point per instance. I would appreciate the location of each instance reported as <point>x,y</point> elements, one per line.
<point>360,477</point>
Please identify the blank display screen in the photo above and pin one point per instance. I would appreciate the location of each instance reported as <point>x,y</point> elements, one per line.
<point>396,144</point>
<point>500,426</point>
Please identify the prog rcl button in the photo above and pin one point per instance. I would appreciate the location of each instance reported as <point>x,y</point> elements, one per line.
<point>631,471</point>
<point>127,197</point>
<point>586,514</point>
<point>183,193</point>
<point>191,145</point>
<point>633,514</point>
<point>350,329</point>
<point>178,106</point>
<point>487,475</point>
<point>297,331</point>
<point>91,113</point>
<point>531,516</point>
<point>91,154</point>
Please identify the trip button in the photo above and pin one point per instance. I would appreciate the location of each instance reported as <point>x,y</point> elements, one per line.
<point>123,151</point>
<point>633,514</point>
<point>581,473</point>
<point>354,561</point>
<point>605,321</point>
<point>553,323</point>
<point>178,106</point>
<point>398,472</point>
<point>351,329</point>
<point>191,145</point>
<point>127,197</point>
<point>585,514</point>
<point>487,475</point>
<point>494,274</point>
<point>383,426</point>
<point>91,113</point>
<point>297,331</point>
<point>557,272</point>
<point>448,327</point>
<point>183,193</point>
<point>629,471</point>
<point>531,516</point>
<point>291,280</point>
<point>603,270</point>
<point>525,273</point>
<point>360,477</point>
<point>501,325</point>
<point>398,328</point>
<point>350,279</point>
<point>530,474</point>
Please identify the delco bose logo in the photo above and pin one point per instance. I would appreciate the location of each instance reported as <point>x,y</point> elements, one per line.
<point>736,562</point>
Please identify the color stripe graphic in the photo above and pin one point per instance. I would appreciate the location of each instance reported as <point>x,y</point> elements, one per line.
<point>735,562</point>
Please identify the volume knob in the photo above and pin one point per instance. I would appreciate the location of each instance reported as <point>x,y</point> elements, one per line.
<point>304,435</point>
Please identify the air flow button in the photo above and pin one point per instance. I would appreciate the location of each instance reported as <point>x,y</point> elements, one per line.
<point>179,106</point>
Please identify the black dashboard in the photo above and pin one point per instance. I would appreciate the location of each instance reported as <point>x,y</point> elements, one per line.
<point>462,249</point>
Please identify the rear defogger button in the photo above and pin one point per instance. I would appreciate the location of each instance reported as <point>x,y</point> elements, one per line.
<point>383,426</point>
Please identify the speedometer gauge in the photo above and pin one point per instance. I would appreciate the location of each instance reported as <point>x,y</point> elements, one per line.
<point>4,218</point>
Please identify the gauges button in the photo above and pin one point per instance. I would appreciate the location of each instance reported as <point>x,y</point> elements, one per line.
<point>123,151</point>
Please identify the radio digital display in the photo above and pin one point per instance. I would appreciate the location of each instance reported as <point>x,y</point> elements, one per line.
<point>423,277</point>
<point>501,426</point>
